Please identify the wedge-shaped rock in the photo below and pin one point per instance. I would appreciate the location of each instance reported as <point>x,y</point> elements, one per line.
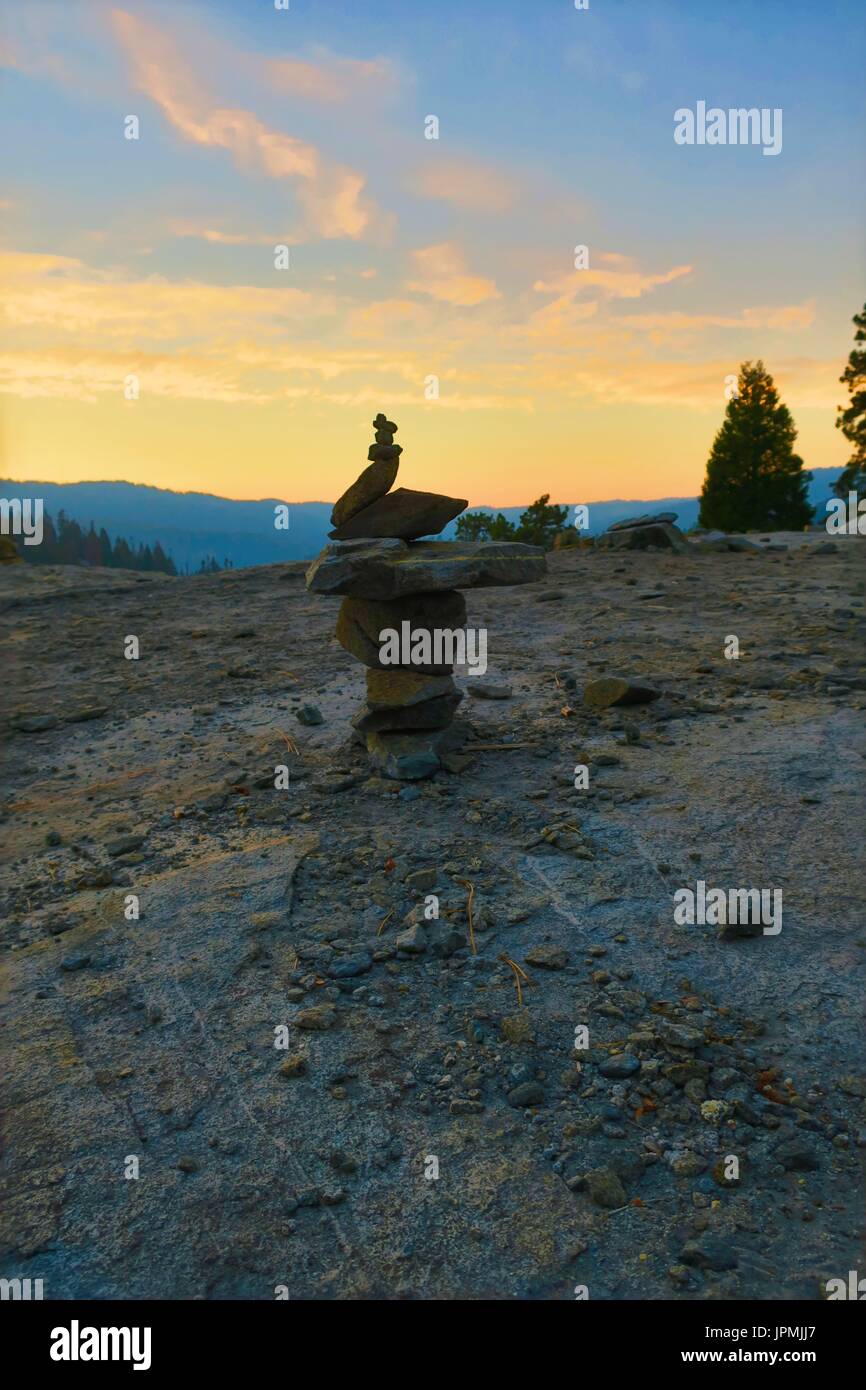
<point>655,518</point>
<point>404,513</point>
<point>373,483</point>
<point>390,568</point>
<point>425,714</point>
<point>362,620</point>
<point>385,689</point>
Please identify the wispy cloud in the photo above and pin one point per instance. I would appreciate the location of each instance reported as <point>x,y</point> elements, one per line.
<point>666,326</point>
<point>580,293</point>
<point>63,293</point>
<point>219,237</point>
<point>329,79</point>
<point>624,282</point>
<point>331,194</point>
<point>467,183</point>
<point>70,374</point>
<point>442,273</point>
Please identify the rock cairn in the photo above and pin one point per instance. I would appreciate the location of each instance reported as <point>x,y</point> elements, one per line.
<point>389,576</point>
<point>656,532</point>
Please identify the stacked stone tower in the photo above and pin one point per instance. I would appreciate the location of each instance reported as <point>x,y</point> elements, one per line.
<point>395,582</point>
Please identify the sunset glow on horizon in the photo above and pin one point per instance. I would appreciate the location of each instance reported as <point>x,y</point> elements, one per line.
<point>152,259</point>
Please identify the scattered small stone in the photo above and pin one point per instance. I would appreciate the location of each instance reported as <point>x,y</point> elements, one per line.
<point>309,715</point>
<point>79,961</point>
<point>347,967</point>
<point>420,880</point>
<point>465,1107</point>
<point>605,1188</point>
<point>488,690</point>
<point>343,1162</point>
<point>528,1094</point>
<point>294,1065</point>
<point>547,957</point>
<point>412,942</point>
<point>126,844</point>
<point>316,1019</point>
<point>620,1066</point>
<point>517,1028</point>
<point>613,690</point>
<point>709,1252</point>
<point>797,1156</point>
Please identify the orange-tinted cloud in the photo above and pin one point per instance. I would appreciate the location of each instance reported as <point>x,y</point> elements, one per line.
<point>330,80</point>
<point>464,182</point>
<point>624,283</point>
<point>221,238</point>
<point>443,274</point>
<point>791,316</point>
<point>330,194</point>
<point>62,293</point>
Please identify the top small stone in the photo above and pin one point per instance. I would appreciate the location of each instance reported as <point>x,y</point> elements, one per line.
<point>384,448</point>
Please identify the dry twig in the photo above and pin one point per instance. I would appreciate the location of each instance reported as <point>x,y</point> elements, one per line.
<point>518,975</point>
<point>471,886</point>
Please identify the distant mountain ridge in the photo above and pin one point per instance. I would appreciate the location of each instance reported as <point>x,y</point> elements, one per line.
<point>194,525</point>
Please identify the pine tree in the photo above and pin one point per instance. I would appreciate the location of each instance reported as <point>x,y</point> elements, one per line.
<point>91,547</point>
<point>46,553</point>
<point>123,556</point>
<point>540,523</point>
<point>754,479</point>
<point>71,542</point>
<point>162,562</point>
<point>851,420</point>
<point>105,553</point>
<point>480,526</point>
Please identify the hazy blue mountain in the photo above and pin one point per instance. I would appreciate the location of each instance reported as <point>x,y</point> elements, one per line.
<point>189,525</point>
<point>194,525</point>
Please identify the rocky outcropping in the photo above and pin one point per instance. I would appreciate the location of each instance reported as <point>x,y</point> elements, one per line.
<point>645,532</point>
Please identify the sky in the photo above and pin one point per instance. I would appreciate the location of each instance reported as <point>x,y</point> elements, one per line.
<point>154,333</point>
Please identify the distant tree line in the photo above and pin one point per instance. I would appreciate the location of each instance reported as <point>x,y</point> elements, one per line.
<point>67,543</point>
<point>540,524</point>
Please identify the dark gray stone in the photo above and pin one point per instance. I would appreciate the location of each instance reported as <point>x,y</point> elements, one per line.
<point>388,568</point>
